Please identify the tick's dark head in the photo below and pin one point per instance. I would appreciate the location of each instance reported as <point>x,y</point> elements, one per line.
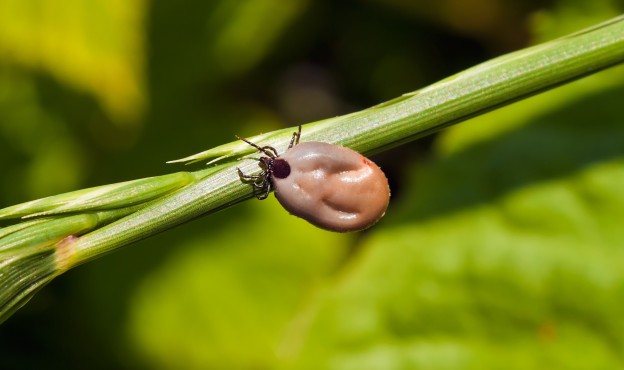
<point>280,168</point>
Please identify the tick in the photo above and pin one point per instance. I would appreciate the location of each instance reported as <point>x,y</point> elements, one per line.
<point>332,187</point>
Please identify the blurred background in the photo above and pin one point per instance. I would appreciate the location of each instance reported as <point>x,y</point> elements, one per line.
<point>502,248</point>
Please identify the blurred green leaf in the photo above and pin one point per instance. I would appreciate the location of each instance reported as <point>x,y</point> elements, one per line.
<point>227,299</point>
<point>95,46</point>
<point>244,32</point>
<point>565,16</point>
<point>29,130</point>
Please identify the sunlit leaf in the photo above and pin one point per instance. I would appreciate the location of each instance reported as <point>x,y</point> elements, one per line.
<point>94,45</point>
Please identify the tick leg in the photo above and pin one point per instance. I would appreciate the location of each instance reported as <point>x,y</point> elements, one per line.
<point>241,174</point>
<point>260,185</point>
<point>266,192</point>
<point>295,138</point>
<point>259,182</point>
<point>262,149</point>
<point>265,150</point>
<point>250,177</point>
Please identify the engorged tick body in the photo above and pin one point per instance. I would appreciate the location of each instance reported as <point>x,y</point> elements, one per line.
<point>332,187</point>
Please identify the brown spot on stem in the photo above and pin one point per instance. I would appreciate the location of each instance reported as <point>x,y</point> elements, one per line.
<point>64,252</point>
